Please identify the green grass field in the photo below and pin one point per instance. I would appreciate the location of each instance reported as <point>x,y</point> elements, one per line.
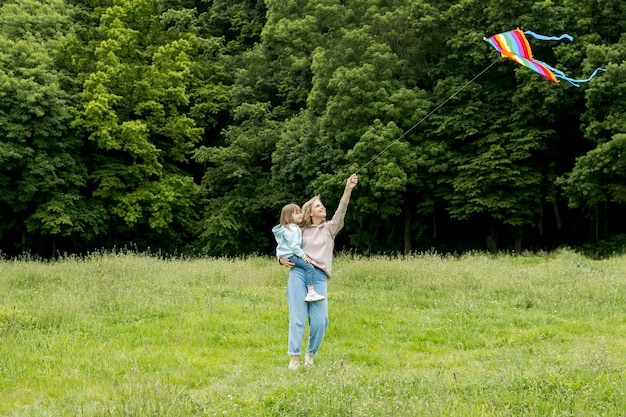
<point>134,335</point>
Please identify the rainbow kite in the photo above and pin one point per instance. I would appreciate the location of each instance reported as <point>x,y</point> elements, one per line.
<point>514,45</point>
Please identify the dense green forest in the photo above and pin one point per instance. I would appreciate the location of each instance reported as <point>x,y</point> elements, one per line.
<point>183,126</point>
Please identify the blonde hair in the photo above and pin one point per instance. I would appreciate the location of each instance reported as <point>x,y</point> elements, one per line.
<point>286,214</point>
<point>306,211</point>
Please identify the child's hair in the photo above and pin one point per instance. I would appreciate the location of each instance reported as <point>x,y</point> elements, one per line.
<point>306,211</point>
<point>286,214</point>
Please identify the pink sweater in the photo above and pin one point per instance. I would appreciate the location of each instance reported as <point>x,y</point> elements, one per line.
<point>319,241</point>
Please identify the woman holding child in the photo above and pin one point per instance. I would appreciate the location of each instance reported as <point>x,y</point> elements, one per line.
<point>318,242</point>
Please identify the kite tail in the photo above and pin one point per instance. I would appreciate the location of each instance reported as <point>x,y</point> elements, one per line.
<point>548,38</point>
<point>576,83</point>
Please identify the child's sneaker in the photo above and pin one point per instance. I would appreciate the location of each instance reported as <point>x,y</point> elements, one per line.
<point>313,296</point>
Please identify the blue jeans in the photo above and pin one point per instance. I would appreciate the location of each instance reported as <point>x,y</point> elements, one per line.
<point>308,268</point>
<point>299,310</point>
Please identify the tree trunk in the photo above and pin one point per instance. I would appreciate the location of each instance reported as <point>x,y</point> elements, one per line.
<point>592,233</point>
<point>605,232</point>
<point>492,240</point>
<point>555,208</point>
<point>596,212</point>
<point>407,231</point>
<point>540,222</point>
<point>110,237</point>
<point>518,240</point>
<point>392,231</point>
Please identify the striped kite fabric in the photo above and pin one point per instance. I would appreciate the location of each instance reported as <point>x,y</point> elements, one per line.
<point>514,45</point>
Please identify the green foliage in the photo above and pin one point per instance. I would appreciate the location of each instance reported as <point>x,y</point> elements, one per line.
<point>239,23</point>
<point>606,248</point>
<point>237,185</point>
<point>342,82</point>
<point>182,122</point>
<point>41,174</point>
<point>134,109</point>
<point>598,176</point>
<point>357,104</point>
<point>605,107</point>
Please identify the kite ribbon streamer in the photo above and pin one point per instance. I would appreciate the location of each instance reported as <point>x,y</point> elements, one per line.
<point>514,45</point>
<point>548,38</point>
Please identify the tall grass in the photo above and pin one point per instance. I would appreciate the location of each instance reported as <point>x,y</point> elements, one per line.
<point>135,335</point>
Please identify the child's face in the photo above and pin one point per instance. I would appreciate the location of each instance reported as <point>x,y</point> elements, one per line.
<point>296,217</point>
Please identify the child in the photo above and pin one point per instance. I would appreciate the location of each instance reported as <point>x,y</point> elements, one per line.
<point>289,238</point>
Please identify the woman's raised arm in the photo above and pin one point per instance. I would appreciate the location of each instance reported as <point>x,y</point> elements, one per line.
<point>350,184</point>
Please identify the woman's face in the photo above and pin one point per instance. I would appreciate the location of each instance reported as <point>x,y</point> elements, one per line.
<point>318,211</point>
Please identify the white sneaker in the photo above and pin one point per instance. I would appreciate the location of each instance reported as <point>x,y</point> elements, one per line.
<point>294,366</point>
<point>308,359</point>
<point>313,296</point>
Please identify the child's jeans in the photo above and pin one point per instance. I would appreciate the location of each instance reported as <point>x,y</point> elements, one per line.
<point>308,268</point>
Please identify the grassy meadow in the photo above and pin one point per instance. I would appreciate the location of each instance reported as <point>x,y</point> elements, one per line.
<point>427,335</point>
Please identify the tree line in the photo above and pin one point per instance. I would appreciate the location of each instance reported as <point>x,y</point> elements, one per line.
<point>183,126</point>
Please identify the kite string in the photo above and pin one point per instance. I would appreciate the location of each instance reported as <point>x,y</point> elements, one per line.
<point>428,115</point>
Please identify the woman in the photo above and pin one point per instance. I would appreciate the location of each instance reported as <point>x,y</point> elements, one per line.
<point>318,242</point>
